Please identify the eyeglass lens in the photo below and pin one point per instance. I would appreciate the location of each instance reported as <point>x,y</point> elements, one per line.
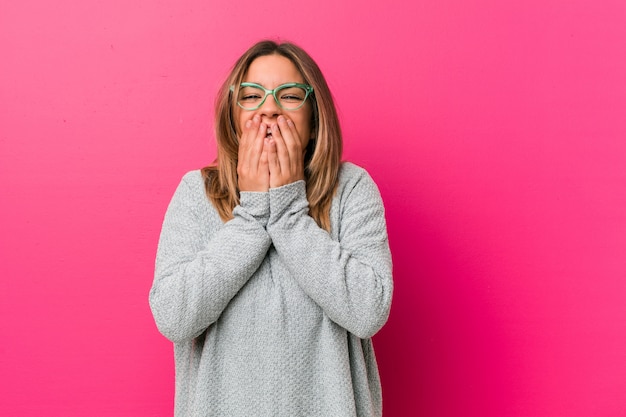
<point>289,98</point>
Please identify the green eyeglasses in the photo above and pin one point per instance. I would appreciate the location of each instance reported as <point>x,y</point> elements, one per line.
<point>290,96</point>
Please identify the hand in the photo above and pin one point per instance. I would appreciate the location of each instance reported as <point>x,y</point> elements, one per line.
<point>284,154</point>
<point>252,164</point>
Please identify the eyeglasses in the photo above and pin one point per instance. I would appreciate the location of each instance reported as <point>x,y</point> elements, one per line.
<point>290,96</point>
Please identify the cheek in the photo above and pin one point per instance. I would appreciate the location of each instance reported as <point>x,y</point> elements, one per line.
<point>305,131</point>
<point>305,126</point>
<point>240,121</point>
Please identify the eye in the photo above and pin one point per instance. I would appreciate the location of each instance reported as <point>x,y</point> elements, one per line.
<point>250,95</point>
<point>292,95</point>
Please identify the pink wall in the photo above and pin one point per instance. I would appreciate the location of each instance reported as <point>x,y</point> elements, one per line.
<point>496,131</point>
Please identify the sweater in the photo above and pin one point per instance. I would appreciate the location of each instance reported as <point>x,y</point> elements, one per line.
<point>271,315</point>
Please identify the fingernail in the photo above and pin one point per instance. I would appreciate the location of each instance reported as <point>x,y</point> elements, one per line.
<point>248,123</point>
<point>281,119</point>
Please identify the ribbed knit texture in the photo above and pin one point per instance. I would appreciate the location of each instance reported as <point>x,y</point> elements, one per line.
<point>271,315</point>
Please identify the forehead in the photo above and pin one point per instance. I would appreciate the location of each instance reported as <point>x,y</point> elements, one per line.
<point>272,70</point>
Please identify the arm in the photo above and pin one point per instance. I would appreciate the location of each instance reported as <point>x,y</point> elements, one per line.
<point>195,279</point>
<point>350,279</point>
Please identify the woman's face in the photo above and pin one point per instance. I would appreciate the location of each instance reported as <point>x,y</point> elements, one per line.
<point>271,71</point>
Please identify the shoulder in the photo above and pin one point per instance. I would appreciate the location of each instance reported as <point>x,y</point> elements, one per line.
<point>192,182</point>
<point>353,176</point>
<point>357,204</point>
<point>193,178</point>
<point>349,170</point>
<point>191,188</point>
<point>356,186</point>
<point>190,197</point>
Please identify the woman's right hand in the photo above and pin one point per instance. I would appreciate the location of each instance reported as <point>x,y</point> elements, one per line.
<point>252,166</point>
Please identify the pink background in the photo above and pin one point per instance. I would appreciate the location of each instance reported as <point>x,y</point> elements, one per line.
<point>495,130</point>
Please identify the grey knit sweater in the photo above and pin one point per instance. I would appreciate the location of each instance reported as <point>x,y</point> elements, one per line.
<point>270,315</point>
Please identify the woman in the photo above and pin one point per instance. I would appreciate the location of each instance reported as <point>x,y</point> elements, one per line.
<point>273,268</point>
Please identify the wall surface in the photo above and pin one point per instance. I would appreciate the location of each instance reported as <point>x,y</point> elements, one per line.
<point>495,130</point>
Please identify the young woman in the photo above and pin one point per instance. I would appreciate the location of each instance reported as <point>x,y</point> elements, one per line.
<point>273,268</point>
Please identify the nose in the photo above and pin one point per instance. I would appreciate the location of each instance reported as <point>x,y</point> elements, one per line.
<point>270,107</point>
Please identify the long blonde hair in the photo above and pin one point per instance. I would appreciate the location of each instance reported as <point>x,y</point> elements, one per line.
<point>323,154</point>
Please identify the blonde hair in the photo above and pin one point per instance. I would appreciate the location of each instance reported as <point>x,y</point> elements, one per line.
<point>323,154</point>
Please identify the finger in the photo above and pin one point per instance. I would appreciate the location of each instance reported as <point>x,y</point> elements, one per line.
<point>257,145</point>
<point>264,170</point>
<point>248,134</point>
<point>251,126</point>
<point>243,138</point>
<point>290,135</point>
<point>282,151</point>
<point>263,160</point>
<point>272,158</point>
<point>294,147</point>
<point>249,153</point>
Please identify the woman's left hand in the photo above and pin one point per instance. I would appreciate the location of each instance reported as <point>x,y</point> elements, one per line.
<point>284,153</point>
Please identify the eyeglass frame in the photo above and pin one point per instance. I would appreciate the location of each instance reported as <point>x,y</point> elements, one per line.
<point>307,88</point>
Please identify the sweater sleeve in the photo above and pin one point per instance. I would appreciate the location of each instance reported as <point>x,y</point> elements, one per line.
<point>350,279</point>
<point>195,279</point>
